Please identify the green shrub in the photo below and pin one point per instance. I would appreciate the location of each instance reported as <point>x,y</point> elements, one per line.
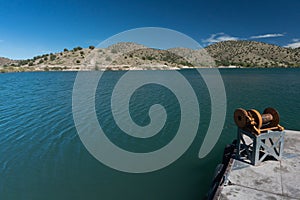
<point>57,68</point>
<point>52,57</point>
<point>150,58</point>
<point>77,48</point>
<point>113,51</point>
<point>91,47</point>
<point>23,62</point>
<point>77,61</point>
<point>65,50</point>
<point>186,63</point>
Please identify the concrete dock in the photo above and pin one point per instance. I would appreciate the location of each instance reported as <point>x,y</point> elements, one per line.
<point>269,180</point>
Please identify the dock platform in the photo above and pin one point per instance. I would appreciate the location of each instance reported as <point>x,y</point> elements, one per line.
<point>269,180</point>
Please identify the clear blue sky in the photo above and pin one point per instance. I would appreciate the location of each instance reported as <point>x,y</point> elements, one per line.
<point>30,28</point>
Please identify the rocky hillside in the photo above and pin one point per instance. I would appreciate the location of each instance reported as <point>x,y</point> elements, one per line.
<point>253,54</point>
<point>134,56</point>
<point>5,61</point>
<point>116,57</point>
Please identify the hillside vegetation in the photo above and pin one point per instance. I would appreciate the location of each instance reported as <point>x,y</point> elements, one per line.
<point>129,55</point>
<point>253,54</point>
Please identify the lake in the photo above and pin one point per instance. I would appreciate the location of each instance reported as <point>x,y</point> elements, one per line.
<point>42,156</point>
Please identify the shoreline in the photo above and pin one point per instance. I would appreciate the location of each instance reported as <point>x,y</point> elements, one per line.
<point>60,69</point>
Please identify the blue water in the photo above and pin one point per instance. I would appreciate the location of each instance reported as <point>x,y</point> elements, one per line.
<point>42,157</point>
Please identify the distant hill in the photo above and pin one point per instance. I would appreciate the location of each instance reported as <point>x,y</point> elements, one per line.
<point>253,54</point>
<point>5,61</point>
<point>129,55</point>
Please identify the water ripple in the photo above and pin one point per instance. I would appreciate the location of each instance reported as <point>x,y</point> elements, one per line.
<point>42,156</point>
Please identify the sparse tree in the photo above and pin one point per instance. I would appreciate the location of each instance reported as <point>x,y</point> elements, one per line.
<point>108,58</point>
<point>77,48</point>
<point>114,51</point>
<point>52,57</point>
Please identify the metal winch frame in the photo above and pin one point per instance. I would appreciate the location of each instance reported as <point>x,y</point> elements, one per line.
<point>259,136</point>
<point>254,149</point>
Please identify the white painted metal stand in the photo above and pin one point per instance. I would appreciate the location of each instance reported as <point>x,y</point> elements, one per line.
<point>254,149</point>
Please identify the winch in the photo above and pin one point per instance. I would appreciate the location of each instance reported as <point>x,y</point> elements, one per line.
<point>254,122</point>
<point>259,135</point>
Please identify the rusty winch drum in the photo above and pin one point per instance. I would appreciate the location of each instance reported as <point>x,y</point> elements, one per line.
<point>253,121</point>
